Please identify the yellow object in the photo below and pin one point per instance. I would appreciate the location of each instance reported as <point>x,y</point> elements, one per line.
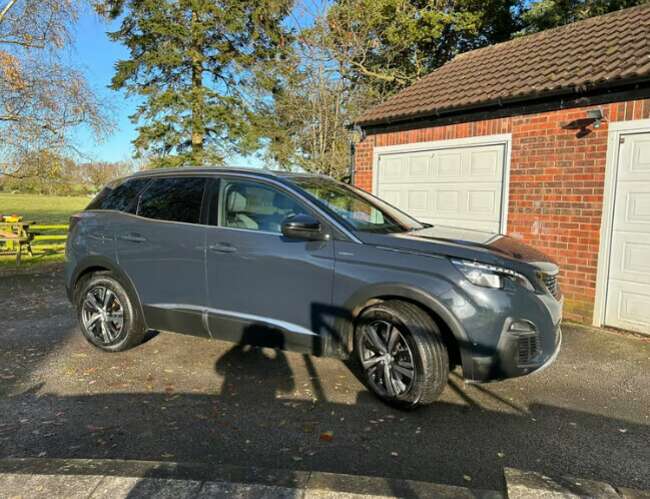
<point>12,218</point>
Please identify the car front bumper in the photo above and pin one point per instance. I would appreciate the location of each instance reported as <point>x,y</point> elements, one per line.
<point>509,359</point>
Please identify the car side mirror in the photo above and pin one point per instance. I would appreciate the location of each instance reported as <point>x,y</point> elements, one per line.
<point>302,226</point>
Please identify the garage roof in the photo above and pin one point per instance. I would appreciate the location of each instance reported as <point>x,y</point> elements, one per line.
<point>586,55</point>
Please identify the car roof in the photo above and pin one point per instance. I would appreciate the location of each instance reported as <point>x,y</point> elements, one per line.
<point>217,170</point>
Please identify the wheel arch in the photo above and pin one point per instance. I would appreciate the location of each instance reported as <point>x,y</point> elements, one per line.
<point>453,332</point>
<point>97,264</point>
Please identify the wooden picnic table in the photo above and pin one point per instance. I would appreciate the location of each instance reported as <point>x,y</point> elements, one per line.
<point>15,236</point>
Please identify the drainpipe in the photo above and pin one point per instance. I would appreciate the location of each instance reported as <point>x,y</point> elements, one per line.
<point>356,135</point>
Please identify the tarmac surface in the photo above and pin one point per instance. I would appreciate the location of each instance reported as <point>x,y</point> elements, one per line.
<point>184,399</point>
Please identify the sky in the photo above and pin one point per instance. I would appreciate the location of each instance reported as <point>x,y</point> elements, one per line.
<point>96,56</point>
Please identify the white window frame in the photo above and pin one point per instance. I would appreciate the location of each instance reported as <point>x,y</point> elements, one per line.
<point>615,131</point>
<point>504,139</point>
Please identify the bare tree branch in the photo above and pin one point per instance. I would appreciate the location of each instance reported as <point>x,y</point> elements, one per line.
<point>6,8</point>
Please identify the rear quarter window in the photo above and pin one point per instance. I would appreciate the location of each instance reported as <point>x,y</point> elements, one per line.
<point>175,199</point>
<point>120,197</point>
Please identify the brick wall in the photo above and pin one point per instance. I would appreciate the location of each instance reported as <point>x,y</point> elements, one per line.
<point>556,185</point>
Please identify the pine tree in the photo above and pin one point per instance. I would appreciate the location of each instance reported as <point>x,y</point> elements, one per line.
<point>198,66</point>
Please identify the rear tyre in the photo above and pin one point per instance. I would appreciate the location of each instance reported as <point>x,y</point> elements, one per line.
<point>402,354</point>
<point>107,316</point>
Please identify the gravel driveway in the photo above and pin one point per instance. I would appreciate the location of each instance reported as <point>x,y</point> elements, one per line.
<point>187,399</point>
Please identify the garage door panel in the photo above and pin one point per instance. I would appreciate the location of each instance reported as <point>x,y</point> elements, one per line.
<point>448,201</point>
<point>640,157</point>
<point>634,158</point>
<point>630,257</point>
<point>628,286</point>
<point>391,168</point>
<point>418,201</point>
<point>627,306</point>
<point>419,167</point>
<point>634,201</point>
<point>460,186</point>
<point>485,164</point>
<point>449,165</point>
<point>482,203</point>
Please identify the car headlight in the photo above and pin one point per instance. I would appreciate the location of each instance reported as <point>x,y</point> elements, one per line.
<point>490,276</point>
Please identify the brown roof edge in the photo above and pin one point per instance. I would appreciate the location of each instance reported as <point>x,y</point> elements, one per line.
<point>629,90</point>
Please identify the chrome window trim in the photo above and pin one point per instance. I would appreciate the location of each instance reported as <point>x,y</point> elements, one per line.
<point>252,231</point>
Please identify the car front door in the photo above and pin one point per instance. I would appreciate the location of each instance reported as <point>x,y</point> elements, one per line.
<point>162,249</point>
<point>265,288</point>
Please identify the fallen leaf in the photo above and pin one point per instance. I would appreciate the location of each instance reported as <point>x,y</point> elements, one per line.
<point>327,436</point>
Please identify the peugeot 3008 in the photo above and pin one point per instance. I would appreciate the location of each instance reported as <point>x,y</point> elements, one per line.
<point>308,264</point>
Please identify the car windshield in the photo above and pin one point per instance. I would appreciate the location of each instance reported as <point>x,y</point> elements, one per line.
<point>357,209</point>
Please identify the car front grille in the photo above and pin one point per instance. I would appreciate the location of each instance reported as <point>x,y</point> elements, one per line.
<point>527,349</point>
<point>550,281</point>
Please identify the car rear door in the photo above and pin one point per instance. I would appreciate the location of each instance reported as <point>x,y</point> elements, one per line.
<point>265,288</point>
<point>161,249</point>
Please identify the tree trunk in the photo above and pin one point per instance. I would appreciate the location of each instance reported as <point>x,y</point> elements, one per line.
<point>198,127</point>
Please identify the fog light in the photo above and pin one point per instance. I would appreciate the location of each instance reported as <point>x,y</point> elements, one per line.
<point>522,327</point>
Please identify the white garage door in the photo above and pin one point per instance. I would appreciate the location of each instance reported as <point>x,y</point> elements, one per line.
<point>628,289</point>
<point>459,186</point>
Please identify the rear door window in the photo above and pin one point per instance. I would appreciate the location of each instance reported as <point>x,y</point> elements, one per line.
<point>175,199</point>
<point>120,197</point>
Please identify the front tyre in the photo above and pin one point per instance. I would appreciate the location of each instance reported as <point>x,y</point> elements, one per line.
<point>402,354</point>
<point>107,316</point>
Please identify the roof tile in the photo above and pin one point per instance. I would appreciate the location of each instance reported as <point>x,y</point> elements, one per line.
<point>584,54</point>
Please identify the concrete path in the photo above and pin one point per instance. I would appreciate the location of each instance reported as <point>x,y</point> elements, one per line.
<point>116,479</point>
<point>77,478</point>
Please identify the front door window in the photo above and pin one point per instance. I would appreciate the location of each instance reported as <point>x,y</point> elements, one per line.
<point>255,206</point>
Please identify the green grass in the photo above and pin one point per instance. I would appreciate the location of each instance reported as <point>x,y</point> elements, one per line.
<point>44,210</point>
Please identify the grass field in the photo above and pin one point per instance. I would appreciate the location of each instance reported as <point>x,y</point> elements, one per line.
<point>44,210</point>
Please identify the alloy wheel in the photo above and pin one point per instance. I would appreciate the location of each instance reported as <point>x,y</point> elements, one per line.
<point>386,358</point>
<point>102,314</point>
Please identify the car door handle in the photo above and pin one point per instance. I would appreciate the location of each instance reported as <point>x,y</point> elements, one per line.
<point>222,248</point>
<point>133,237</point>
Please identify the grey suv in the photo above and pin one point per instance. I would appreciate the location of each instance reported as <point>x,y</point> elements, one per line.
<point>304,263</point>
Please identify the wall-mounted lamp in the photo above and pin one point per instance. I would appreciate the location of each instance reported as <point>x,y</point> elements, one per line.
<point>596,115</point>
